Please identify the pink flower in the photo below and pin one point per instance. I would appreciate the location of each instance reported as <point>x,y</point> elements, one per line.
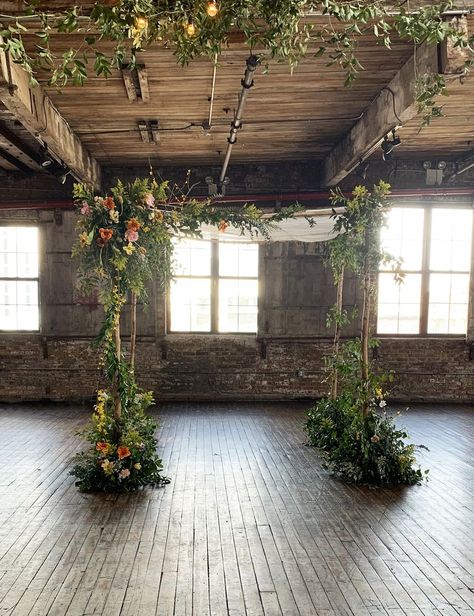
<point>131,235</point>
<point>124,473</point>
<point>85,209</point>
<point>149,200</point>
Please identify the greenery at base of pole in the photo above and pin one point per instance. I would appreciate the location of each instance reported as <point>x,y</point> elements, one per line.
<point>124,240</point>
<point>358,439</point>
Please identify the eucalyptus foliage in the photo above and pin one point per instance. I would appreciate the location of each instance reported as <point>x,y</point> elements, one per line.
<point>284,30</point>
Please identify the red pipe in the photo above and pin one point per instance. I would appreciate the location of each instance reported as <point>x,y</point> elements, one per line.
<point>317,196</point>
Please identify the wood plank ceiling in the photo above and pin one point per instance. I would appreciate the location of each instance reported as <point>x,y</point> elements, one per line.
<point>287,117</point>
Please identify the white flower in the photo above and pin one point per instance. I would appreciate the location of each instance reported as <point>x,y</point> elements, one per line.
<point>382,403</point>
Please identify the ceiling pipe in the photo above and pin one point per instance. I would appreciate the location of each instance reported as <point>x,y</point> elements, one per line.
<point>247,83</point>
<point>213,93</point>
<point>309,196</point>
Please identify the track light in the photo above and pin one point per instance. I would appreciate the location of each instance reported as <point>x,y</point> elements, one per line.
<point>63,177</point>
<point>388,145</point>
<point>44,158</point>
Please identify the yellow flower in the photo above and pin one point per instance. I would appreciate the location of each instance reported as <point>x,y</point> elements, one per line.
<point>137,466</point>
<point>108,467</point>
<point>84,239</point>
<point>114,215</point>
<point>129,248</point>
<point>146,229</point>
<point>360,191</point>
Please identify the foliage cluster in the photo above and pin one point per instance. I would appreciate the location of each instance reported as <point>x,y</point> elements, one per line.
<point>284,30</point>
<point>357,449</point>
<point>359,442</point>
<point>127,237</point>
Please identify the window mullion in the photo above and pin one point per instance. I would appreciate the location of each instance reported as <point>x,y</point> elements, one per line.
<point>214,286</point>
<point>425,272</point>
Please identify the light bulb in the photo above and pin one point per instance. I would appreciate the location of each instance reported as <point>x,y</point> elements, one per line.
<point>212,8</point>
<point>141,23</point>
<point>190,29</point>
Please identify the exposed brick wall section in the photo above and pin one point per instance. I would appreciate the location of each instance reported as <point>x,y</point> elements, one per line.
<point>287,362</point>
<point>203,367</point>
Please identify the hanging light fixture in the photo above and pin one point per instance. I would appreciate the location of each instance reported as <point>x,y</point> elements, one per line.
<point>190,28</point>
<point>141,22</point>
<point>212,8</point>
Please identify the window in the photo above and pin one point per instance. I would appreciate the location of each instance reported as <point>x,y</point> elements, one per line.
<point>19,309</point>
<point>215,288</point>
<point>435,245</point>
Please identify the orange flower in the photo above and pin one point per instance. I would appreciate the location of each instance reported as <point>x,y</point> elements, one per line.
<point>102,447</point>
<point>223,226</point>
<point>109,203</point>
<point>106,234</point>
<point>123,452</point>
<point>133,224</point>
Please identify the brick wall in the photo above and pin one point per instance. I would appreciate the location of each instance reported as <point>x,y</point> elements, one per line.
<point>286,361</point>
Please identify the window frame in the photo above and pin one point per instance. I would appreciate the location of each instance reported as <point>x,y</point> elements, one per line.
<point>425,272</point>
<point>214,279</point>
<point>37,279</point>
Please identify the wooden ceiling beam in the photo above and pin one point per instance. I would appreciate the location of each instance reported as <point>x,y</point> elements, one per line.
<point>394,106</point>
<point>11,143</point>
<point>37,113</point>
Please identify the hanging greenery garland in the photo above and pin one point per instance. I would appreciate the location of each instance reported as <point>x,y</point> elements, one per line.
<point>125,240</point>
<point>286,30</point>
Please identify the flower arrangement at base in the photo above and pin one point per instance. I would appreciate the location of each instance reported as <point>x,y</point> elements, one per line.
<point>124,457</point>
<point>124,240</point>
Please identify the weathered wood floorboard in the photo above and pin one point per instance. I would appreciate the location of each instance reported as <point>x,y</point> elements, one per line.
<point>250,524</point>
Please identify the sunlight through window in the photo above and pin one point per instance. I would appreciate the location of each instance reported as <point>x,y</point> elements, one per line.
<point>215,288</point>
<point>19,306</point>
<point>435,245</point>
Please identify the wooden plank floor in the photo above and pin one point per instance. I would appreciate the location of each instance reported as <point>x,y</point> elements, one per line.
<point>250,524</point>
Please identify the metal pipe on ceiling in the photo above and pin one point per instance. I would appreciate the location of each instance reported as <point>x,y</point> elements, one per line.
<point>213,92</point>
<point>247,83</point>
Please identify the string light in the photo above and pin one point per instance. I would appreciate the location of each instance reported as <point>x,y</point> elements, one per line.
<point>212,8</point>
<point>141,22</point>
<point>190,28</point>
